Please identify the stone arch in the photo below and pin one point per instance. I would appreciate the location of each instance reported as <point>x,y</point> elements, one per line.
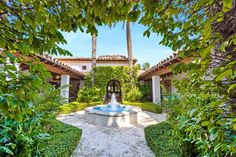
<point>113,86</point>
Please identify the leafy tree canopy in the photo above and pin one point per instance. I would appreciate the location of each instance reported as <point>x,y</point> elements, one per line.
<point>203,30</point>
<point>35,26</point>
<point>146,65</point>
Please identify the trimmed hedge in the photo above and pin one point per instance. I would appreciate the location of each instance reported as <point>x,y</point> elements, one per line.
<point>75,106</point>
<point>148,106</point>
<point>62,141</point>
<point>159,138</point>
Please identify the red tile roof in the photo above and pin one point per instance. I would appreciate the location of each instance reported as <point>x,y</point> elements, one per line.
<point>116,58</point>
<point>48,59</point>
<point>168,61</point>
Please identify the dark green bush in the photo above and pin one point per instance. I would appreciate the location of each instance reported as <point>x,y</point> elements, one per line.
<point>134,95</point>
<point>148,106</point>
<point>76,106</point>
<point>89,94</point>
<point>146,91</point>
<point>62,141</point>
<point>42,103</point>
<point>159,138</point>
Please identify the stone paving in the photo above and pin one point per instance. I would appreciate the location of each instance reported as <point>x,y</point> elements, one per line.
<point>112,142</point>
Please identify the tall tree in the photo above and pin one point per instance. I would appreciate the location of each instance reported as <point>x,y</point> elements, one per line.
<point>129,46</point>
<point>146,66</point>
<point>94,49</point>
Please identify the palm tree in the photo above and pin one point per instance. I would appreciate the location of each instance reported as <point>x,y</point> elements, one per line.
<point>94,48</point>
<point>129,47</point>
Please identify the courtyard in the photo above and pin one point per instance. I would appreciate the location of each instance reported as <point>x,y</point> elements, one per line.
<point>109,142</point>
<point>111,78</point>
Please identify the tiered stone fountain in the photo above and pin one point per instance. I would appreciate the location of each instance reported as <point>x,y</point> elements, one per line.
<point>112,114</point>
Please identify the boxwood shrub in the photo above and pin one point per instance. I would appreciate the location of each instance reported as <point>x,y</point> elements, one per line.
<point>76,106</point>
<point>159,138</point>
<point>62,141</point>
<point>148,106</point>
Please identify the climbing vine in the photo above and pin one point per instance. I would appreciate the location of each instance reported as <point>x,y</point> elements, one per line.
<point>105,74</point>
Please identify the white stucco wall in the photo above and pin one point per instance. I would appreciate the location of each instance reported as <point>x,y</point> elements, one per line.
<point>88,64</point>
<point>112,64</point>
<point>78,66</point>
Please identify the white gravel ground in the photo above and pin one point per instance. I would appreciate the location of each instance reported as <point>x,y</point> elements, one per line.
<point>112,142</point>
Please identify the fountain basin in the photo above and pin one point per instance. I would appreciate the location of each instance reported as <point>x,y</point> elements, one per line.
<point>123,116</point>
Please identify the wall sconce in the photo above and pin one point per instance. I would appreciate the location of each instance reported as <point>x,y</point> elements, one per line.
<point>57,77</point>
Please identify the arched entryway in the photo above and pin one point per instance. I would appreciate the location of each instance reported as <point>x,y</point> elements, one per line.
<point>113,86</point>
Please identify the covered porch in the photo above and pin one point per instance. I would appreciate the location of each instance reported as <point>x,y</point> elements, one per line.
<point>63,76</point>
<point>161,75</point>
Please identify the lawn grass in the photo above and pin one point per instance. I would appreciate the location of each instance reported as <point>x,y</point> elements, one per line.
<point>62,141</point>
<point>148,106</point>
<point>159,138</point>
<point>76,106</point>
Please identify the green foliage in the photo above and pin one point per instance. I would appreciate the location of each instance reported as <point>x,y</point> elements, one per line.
<point>35,26</point>
<point>204,120</point>
<point>134,95</point>
<point>76,106</point>
<point>160,139</point>
<point>145,66</point>
<point>19,137</point>
<point>171,104</point>
<point>105,74</point>
<point>89,94</point>
<point>62,140</point>
<point>145,106</point>
<point>208,124</point>
<point>207,106</point>
<point>146,91</point>
<point>138,66</point>
<point>42,104</point>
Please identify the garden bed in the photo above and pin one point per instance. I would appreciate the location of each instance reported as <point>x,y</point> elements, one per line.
<point>62,141</point>
<point>148,106</point>
<point>76,106</point>
<point>159,138</point>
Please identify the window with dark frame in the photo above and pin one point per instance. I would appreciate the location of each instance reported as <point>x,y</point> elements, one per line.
<point>84,67</point>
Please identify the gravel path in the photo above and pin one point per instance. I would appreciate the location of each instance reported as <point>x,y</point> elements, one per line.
<point>112,142</point>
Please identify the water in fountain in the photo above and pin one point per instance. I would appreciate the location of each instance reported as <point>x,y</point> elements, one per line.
<point>114,104</point>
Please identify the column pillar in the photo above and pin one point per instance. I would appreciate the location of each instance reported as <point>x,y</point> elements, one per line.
<point>65,82</point>
<point>156,89</point>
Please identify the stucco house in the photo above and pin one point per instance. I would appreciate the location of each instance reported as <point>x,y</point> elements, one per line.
<point>71,71</point>
<point>161,74</point>
<point>84,64</point>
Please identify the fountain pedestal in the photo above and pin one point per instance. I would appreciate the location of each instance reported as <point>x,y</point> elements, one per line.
<point>113,114</point>
<point>112,119</point>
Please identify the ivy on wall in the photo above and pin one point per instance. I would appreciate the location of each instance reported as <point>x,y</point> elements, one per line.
<point>106,73</point>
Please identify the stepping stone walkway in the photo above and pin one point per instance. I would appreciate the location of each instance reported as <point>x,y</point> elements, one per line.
<point>112,142</point>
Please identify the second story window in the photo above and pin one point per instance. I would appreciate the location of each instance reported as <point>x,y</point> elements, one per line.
<point>84,67</point>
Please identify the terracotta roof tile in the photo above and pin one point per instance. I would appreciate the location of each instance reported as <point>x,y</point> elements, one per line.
<point>160,64</point>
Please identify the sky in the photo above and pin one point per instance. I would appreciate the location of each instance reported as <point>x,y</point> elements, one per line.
<point>112,41</point>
